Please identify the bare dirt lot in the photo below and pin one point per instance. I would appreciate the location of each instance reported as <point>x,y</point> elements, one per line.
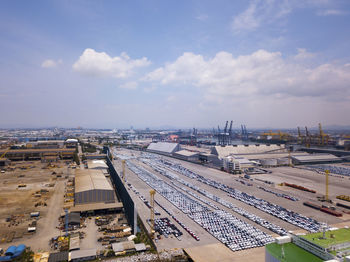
<point>27,187</point>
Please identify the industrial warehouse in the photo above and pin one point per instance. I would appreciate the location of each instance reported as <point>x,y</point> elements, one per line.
<point>92,187</point>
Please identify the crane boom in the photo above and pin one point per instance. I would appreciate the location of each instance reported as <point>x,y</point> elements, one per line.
<point>3,155</point>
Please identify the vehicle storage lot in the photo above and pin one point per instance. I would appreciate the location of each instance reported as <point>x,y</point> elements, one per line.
<point>312,180</point>
<point>144,213</point>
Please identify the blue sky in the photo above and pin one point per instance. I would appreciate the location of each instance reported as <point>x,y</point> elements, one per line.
<point>113,64</point>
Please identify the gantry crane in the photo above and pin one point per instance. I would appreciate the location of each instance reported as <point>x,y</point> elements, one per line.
<point>300,137</point>
<point>152,193</point>
<point>307,138</point>
<point>123,172</point>
<point>323,137</point>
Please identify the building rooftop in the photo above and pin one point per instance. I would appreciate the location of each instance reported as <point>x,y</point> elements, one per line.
<point>97,164</point>
<point>186,153</point>
<point>211,253</point>
<point>88,179</point>
<point>339,236</point>
<point>96,206</point>
<point>80,254</point>
<point>292,253</point>
<point>316,158</point>
<point>163,147</point>
<point>223,151</point>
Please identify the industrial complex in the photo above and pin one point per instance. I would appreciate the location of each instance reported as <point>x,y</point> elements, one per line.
<point>201,196</point>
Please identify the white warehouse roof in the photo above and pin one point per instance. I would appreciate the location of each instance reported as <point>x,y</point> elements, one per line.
<point>72,140</point>
<point>90,179</point>
<point>306,158</point>
<point>186,153</point>
<point>223,151</point>
<point>163,147</point>
<point>97,164</point>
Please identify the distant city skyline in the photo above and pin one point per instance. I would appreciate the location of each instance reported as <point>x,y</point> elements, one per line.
<point>116,64</point>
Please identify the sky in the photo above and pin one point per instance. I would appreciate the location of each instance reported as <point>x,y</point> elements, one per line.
<point>183,64</point>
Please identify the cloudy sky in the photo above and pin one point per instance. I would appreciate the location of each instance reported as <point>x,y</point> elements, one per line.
<point>113,64</point>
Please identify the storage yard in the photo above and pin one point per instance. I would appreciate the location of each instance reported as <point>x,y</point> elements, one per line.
<point>211,206</point>
<point>31,195</point>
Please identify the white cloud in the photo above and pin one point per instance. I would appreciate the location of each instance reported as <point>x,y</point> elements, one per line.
<point>260,12</point>
<point>101,64</point>
<point>303,54</point>
<point>49,63</point>
<point>329,12</point>
<point>254,76</point>
<point>129,85</point>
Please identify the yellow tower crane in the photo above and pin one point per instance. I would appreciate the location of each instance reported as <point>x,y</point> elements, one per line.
<point>123,172</point>
<point>3,155</point>
<point>152,193</point>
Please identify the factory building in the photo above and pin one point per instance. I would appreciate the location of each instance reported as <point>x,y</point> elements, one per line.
<point>71,143</point>
<point>223,151</point>
<point>44,144</point>
<point>187,155</point>
<point>163,148</point>
<point>38,154</point>
<point>307,159</point>
<point>91,186</point>
<point>235,164</point>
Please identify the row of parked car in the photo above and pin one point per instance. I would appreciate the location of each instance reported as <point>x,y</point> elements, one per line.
<point>283,195</point>
<point>278,211</point>
<point>230,230</point>
<point>164,227</point>
<point>338,170</point>
<point>233,232</point>
<point>187,229</point>
<point>155,165</point>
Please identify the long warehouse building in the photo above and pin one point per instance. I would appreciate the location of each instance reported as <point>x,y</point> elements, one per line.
<point>91,186</point>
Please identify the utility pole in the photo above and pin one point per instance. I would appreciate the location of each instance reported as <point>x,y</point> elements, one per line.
<point>152,193</point>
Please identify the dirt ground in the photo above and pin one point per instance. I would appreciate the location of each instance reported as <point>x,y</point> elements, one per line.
<point>43,192</point>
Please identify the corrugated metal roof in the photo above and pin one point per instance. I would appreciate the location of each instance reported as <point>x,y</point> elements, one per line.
<point>163,147</point>
<point>316,157</point>
<point>222,151</point>
<point>90,179</point>
<point>58,257</point>
<point>74,242</point>
<point>140,247</point>
<point>97,164</point>
<point>95,206</point>
<point>121,246</point>
<point>186,153</point>
<point>82,253</point>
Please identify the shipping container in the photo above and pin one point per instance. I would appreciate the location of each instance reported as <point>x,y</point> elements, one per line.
<point>312,205</point>
<point>331,212</point>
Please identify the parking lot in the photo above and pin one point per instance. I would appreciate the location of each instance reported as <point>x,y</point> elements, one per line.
<point>202,198</point>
